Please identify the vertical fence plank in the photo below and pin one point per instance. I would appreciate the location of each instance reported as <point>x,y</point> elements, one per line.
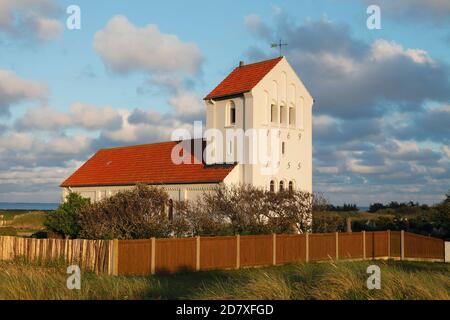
<point>364,244</point>
<point>238,251</point>
<point>307,246</point>
<point>197,252</point>
<point>153,256</point>
<point>274,249</point>
<point>389,243</point>
<point>402,245</point>
<point>115,257</point>
<point>337,245</point>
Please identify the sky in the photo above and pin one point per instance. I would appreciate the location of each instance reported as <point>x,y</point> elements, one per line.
<point>136,70</point>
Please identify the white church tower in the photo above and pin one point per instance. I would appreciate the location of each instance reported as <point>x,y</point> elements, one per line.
<point>266,99</point>
<point>266,96</point>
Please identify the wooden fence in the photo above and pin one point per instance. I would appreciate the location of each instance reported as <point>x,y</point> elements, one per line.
<point>90,255</point>
<point>149,256</point>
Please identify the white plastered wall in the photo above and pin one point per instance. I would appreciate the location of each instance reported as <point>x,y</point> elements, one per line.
<point>281,87</point>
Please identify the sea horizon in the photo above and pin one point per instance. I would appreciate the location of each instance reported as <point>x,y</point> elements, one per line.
<point>28,205</point>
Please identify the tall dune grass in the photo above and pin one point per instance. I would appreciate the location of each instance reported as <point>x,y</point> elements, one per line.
<point>329,280</point>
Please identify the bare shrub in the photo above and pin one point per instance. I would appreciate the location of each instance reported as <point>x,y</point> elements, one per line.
<point>241,209</point>
<point>245,209</point>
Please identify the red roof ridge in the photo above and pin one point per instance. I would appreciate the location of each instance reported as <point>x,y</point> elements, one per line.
<point>145,163</point>
<point>243,78</point>
<point>261,61</point>
<point>137,145</point>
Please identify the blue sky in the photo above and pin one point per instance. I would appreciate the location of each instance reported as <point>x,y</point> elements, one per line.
<point>380,121</point>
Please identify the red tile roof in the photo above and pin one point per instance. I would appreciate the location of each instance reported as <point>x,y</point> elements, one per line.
<point>149,163</point>
<point>243,79</point>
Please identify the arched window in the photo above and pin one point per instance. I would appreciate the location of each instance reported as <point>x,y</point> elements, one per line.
<point>273,113</point>
<point>232,114</point>
<point>292,116</point>
<point>291,186</point>
<point>170,209</point>
<point>283,115</point>
<point>281,185</point>
<point>272,186</point>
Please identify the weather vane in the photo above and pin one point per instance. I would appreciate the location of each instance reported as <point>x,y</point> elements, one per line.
<point>279,45</point>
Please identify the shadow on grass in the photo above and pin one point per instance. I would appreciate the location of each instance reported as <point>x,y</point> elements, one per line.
<point>299,278</point>
<point>416,266</point>
<point>185,285</point>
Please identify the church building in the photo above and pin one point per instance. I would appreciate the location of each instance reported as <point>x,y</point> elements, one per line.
<point>266,96</point>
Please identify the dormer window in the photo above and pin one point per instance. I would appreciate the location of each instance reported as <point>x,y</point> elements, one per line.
<point>231,113</point>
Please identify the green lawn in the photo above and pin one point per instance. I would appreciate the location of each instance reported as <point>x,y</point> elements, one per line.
<point>330,280</point>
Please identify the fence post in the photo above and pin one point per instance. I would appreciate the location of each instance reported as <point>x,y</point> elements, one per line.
<point>402,244</point>
<point>153,256</point>
<point>337,245</point>
<point>389,243</point>
<point>238,251</point>
<point>197,264</point>
<point>274,249</point>
<point>307,246</point>
<point>115,257</point>
<point>364,244</point>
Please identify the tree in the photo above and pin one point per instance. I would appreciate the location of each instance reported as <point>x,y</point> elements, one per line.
<point>447,198</point>
<point>441,217</point>
<point>64,220</point>
<point>374,207</point>
<point>138,213</point>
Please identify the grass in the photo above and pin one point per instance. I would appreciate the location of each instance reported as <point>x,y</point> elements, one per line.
<point>24,223</point>
<point>8,231</point>
<point>330,280</point>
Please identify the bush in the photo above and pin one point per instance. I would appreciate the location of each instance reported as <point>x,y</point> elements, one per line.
<point>64,220</point>
<point>138,213</point>
<point>325,222</point>
<point>245,209</point>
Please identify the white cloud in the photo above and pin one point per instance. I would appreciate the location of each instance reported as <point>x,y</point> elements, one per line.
<point>80,115</point>
<point>43,118</point>
<point>16,141</point>
<point>46,29</point>
<point>30,19</point>
<point>446,151</point>
<point>383,49</point>
<point>15,89</point>
<point>125,47</point>
<point>187,102</point>
<point>355,167</point>
<point>92,117</point>
<point>73,145</point>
